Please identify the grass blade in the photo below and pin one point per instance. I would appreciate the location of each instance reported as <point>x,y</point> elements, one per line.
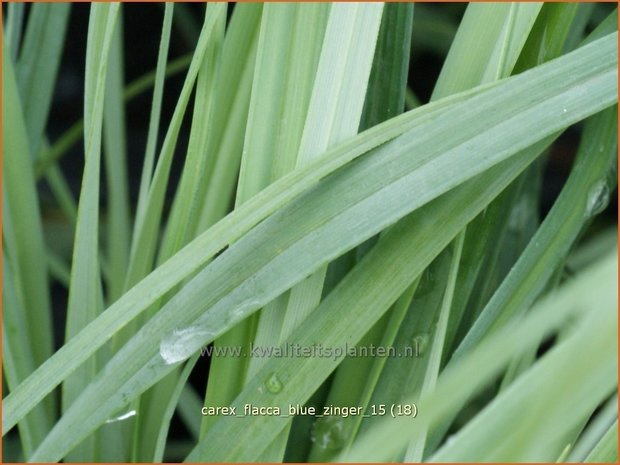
<point>14,25</point>
<point>231,106</point>
<point>595,431</point>
<point>607,448</point>
<point>85,293</point>
<point>544,254</point>
<point>159,403</point>
<point>158,90</point>
<point>147,227</point>
<point>553,387</point>
<point>487,359</point>
<point>18,360</point>
<point>330,319</point>
<point>354,381</point>
<point>502,32</point>
<point>115,143</point>
<point>158,456</point>
<point>20,191</point>
<point>592,85</point>
<point>37,66</point>
<point>196,255</point>
<point>270,149</point>
<point>415,449</point>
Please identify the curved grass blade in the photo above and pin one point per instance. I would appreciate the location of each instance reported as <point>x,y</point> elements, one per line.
<point>85,292</point>
<point>607,448</point>
<point>595,430</point>
<point>231,106</point>
<point>331,323</point>
<point>171,405</point>
<point>18,360</point>
<point>158,90</point>
<point>394,172</point>
<point>591,85</point>
<point>20,192</point>
<point>456,383</point>
<point>548,383</point>
<point>415,450</point>
<point>501,32</point>
<point>198,253</point>
<point>181,223</point>
<point>587,186</point>
<point>355,378</point>
<point>276,115</point>
<point>147,226</point>
<point>37,66</point>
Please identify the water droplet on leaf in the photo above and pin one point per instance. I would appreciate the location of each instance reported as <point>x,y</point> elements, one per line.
<point>182,343</point>
<point>273,383</point>
<point>124,416</point>
<point>598,198</point>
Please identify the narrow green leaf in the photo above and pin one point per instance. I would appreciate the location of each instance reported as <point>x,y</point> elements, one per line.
<point>588,184</point>
<point>183,217</point>
<point>607,449</point>
<point>158,456</point>
<point>14,25</point>
<point>396,318</point>
<point>37,66</point>
<point>595,431</point>
<point>231,292</point>
<point>548,36</point>
<point>159,403</point>
<point>158,90</point>
<point>547,383</point>
<point>85,293</point>
<point>20,192</point>
<point>415,450</point>
<point>231,106</point>
<point>578,26</point>
<point>486,360</point>
<point>146,230</point>
<point>590,85</point>
<point>501,31</point>
<point>199,252</point>
<point>18,360</point>
<point>387,83</point>
<point>115,144</point>
<point>276,116</point>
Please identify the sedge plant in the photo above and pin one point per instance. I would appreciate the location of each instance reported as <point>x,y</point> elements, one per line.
<point>317,259</point>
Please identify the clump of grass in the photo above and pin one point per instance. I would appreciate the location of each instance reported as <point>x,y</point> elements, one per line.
<point>312,211</point>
